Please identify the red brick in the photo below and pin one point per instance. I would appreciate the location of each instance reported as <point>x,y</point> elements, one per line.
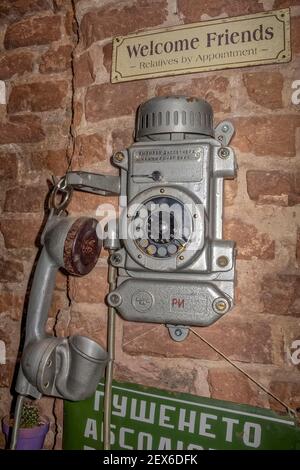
<point>21,129</point>
<point>294,197</point>
<point>248,288</point>
<point>280,295</point>
<point>15,63</point>
<point>57,125</point>
<point>84,70</point>
<point>84,202</point>
<point>55,161</point>
<point>12,304</point>
<point>78,113</point>
<point>298,246</point>
<point>20,233</point>
<point>12,10</point>
<point>230,192</point>
<point>25,199</point>
<point>90,149</point>
<point>8,166</point>
<point>273,187</point>
<point>192,12</point>
<point>10,301</point>
<point>61,281</point>
<point>71,24</point>
<point>251,136</point>
<point>59,303</point>
<point>37,160</point>
<point>285,3</point>
<point>150,374</point>
<point>56,59</point>
<point>245,341</point>
<point>62,5</point>
<point>107,101</point>
<point>11,270</point>
<point>107,56</point>
<point>295,34</point>
<point>6,373</point>
<point>3,112</point>
<point>250,243</point>
<point>213,89</point>
<point>122,138</point>
<point>233,386</point>
<point>39,96</point>
<point>264,88</point>
<point>89,324</point>
<point>33,31</point>
<point>120,19</point>
<point>91,288</point>
<point>288,391</point>
<point>271,183</point>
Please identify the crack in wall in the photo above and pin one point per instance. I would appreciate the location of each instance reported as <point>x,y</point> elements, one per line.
<point>72,132</point>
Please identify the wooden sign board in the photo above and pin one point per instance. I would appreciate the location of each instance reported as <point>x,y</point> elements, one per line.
<point>262,38</point>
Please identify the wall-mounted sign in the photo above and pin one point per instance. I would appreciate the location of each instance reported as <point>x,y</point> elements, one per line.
<point>262,38</point>
<point>151,419</point>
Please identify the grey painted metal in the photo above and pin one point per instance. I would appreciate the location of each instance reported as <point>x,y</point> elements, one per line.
<point>224,132</point>
<point>111,336</point>
<point>111,238</point>
<point>197,286</point>
<point>176,157</point>
<point>68,368</point>
<point>156,301</point>
<point>166,117</point>
<point>178,332</point>
<point>17,420</point>
<point>93,182</point>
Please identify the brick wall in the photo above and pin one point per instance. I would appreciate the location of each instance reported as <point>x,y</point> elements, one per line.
<point>37,39</point>
<point>41,44</point>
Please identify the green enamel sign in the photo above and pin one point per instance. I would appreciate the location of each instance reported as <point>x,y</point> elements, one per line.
<point>153,419</point>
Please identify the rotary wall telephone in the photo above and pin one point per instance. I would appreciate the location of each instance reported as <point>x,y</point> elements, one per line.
<point>168,262</point>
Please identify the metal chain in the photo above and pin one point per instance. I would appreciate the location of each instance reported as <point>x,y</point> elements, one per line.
<point>66,191</point>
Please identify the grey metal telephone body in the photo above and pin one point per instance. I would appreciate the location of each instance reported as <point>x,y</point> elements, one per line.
<point>174,267</point>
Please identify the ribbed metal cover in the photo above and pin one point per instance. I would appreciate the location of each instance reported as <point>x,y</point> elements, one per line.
<point>173,114</point>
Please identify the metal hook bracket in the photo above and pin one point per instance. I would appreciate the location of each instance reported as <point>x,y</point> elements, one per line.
<point>178,332</point>
<point>224,132</point>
